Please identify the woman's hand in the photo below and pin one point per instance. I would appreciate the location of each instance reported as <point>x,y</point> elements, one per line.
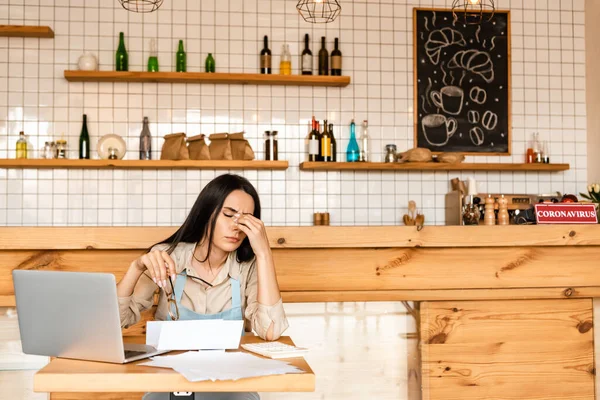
<point>255,230</point>
<point>159,265</point>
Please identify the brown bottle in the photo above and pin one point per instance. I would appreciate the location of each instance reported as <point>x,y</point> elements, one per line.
<point>326,144</point>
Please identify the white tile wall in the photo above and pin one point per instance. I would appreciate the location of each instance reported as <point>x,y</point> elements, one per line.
<point>548,92</point>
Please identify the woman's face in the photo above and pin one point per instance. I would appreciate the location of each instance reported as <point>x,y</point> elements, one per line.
<point>227,236</point>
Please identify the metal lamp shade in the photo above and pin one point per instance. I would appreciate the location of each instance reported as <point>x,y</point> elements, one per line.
<point>319,11</point>
<point>473,12</point>
<point>141,6</point>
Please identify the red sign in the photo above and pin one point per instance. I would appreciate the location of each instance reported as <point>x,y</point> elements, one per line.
<point>566,213</point>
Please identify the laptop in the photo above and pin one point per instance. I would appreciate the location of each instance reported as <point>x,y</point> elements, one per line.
<point>73,315</point>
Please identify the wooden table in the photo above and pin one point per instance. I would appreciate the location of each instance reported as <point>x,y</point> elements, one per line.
<point>63,375</point>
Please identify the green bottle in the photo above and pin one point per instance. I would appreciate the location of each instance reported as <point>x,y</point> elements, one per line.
<point>84,141</point>
<point>180,59</point>
<point>122,60</point>
<point>209,65</point>
<point>153,59</point>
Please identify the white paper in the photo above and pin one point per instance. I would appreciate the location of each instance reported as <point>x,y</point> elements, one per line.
<point>213,365</point>
<point>211,334</point>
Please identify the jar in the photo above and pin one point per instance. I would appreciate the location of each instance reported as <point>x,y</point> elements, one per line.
<point>271,145</point>
<point>61,149</point>
<point>390,155</point>
<point>49,151</point>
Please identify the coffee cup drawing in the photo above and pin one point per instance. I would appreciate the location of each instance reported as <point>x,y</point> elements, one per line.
<point>438,129</point>
<point>449,99</point>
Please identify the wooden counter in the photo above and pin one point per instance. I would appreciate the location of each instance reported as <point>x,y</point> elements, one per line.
<point>505,311</point>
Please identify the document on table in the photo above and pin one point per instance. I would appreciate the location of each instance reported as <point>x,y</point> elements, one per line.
<point>198,366</point>
<point>210,334</point>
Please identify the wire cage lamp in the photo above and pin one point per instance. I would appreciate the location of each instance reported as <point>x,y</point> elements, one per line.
<point>319,11</point>
<point>473,12</point>
<point>141,6</point>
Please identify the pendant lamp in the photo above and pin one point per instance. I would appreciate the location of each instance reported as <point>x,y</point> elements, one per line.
<point>141,6</point>
<point>319,11</point>
<point>473,12</point>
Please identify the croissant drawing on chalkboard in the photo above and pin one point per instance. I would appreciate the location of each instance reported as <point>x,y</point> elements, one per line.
<point>442,38</point>
<point>475,61</point>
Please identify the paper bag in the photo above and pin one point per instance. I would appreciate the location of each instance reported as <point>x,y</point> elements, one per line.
<point>220,147</point>
<point>174,147</point>
<point>198,148</point>
<point>240,148</point>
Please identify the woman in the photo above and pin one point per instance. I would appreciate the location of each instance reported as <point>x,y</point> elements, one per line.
<point>217,265</point>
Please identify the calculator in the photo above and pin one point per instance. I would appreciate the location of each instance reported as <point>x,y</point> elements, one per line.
<point>275,349</point>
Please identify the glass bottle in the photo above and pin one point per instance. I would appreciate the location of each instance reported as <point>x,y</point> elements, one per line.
<point>365,143</point>
<point>271,145</point>
<point>545,154</point>
<point>323,58</point>
<point>336,60</point>
<point>84,141</point>
<point>122,59</point>
<point>314,142</point>
<point>153,59</point>
<point>307,58</point>
<point>48,150</point>
<point>537,148</point>
<point>529,153</point>
<point>145,142</point>
<point>180,59</point>
<point>352,151</point>
<point>285,65</point>
<point>22,146</point>
<point>333,144</point>
<point>326,144</point>
<point>209,64</point>
<point>265,57</point>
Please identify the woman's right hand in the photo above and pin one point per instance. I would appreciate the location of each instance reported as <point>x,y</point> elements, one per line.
<point>159,265</point>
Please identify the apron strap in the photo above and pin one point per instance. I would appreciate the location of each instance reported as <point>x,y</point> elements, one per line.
<point>236,297</point>
<point>179,285</point>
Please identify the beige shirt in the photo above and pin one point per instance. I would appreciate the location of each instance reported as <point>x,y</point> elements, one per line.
<point>207,300</point>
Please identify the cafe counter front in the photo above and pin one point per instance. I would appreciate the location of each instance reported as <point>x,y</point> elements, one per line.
<point>500,311</point>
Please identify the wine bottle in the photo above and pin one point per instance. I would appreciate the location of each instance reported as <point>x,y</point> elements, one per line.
<point>180,59</point>
<point>326,144</point>
<point>333,144</point>
<point>145,142</point>
<point>307,58</point>
<point>352,151</point>
<point>323,58</point>
<point>314,142</point>
<point>365,143</point>
<point>285,65</point>
<point>122,60</point>
<point>22,146</point>
<point>84,141</point>
<point>336,60</point>
<point>265,58</point>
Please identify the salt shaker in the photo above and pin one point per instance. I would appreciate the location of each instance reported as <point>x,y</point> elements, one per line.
<point>489,218</point>
<point>503,218</point>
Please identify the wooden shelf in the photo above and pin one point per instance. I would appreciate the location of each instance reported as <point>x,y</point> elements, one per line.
<point>429,166</point>
<point>26,31</point>
<point>202,77</point>
<point>143,164</point>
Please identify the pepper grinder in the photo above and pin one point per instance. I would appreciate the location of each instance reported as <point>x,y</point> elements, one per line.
<point>489,218</point>
<point>503,211</point>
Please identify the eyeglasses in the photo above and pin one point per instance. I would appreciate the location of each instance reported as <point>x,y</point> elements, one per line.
<point>172,303</point>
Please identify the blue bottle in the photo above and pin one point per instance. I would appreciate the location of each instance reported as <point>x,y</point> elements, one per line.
<point>352,152</point>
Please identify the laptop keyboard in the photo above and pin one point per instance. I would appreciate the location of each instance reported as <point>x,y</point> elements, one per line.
<point>131,353</point>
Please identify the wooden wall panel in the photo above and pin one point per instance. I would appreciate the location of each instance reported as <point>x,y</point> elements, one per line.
<point>488,349</point>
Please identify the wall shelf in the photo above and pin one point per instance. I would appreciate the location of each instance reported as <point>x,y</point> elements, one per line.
<point>202,77</point>
<point>428,166</point>
<point>143,164</point>
<point>26,31</point>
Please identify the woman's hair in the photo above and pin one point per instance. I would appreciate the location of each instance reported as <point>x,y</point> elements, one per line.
<point>203,216</point>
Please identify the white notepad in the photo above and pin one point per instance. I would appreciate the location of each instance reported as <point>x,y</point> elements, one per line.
<point>211,334</point>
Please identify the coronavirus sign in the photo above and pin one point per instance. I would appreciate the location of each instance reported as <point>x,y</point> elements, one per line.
<point>566,213</point>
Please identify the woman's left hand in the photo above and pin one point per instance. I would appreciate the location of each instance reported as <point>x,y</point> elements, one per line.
<point>255,230</point>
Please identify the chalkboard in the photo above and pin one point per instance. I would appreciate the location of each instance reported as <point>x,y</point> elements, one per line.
<point>462,83</point>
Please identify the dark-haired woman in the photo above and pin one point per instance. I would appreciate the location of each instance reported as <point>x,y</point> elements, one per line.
<point>220,265</point>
